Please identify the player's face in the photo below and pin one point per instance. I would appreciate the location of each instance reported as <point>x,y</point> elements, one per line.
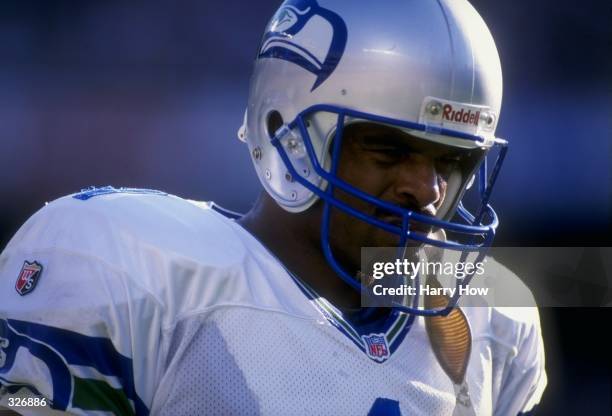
<point>394,167</point>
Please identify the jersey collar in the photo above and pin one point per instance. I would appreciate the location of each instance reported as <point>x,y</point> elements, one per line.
<point>378,339</point>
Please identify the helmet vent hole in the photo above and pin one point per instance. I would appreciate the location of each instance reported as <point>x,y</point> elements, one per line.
<point>274,122</point>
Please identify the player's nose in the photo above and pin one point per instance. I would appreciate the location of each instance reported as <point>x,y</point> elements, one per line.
<point>417,181</point>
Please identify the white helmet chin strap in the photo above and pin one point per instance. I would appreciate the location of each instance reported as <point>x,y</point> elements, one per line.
<point>242,130</point>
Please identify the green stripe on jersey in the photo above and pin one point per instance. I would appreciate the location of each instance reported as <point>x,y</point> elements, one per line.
<point>395,329</point>
<point>90,394</point>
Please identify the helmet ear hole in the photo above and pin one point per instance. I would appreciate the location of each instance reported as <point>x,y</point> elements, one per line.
<point>274,121</point>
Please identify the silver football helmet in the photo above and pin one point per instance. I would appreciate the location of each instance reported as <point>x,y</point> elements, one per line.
<point>429,68</point>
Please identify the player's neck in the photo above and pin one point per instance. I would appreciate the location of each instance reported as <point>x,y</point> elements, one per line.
<point>294,240</point>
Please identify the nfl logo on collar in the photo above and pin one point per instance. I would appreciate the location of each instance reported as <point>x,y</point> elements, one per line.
<point>376,346</point>
<point>28,277</point>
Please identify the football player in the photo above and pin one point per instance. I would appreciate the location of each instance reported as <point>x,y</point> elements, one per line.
<point>367,123</point>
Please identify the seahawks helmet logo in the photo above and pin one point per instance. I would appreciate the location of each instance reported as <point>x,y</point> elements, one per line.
<point>291,32</point>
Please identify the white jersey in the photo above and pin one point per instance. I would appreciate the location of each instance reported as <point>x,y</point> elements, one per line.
<point>138,302</point>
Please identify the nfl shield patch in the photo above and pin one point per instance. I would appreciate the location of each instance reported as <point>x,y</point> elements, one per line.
<point>376,346</point>
<point>28,277</point>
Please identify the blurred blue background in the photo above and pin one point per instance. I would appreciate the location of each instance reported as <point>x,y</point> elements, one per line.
<point>150,94</point>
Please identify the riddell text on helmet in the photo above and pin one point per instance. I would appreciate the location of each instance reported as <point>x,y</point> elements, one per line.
<point>461,116</point>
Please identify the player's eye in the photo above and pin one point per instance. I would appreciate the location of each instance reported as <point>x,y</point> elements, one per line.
<point>383,150</point>
<point>388,155</point>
